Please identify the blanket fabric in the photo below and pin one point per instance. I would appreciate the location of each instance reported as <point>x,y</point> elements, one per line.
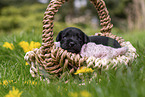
<point>99,51</point>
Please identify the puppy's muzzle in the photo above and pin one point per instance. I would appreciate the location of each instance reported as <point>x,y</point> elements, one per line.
<point>71,44</point>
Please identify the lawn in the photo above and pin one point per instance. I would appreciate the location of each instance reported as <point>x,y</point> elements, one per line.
<point>15,76</point>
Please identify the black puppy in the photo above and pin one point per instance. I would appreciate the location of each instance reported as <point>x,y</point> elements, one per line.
<point>72,39</point>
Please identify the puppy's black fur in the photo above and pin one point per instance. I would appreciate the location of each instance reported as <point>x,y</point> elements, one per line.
<point>72,39</point>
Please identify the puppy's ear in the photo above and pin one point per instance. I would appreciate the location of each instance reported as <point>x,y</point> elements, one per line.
<point>58,38</point>
<point>86,39</point>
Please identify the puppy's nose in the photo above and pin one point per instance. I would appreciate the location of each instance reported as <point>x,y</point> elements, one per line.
<point>71,44</point>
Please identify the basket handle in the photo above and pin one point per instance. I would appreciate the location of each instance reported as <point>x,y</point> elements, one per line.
<point>52,9</point>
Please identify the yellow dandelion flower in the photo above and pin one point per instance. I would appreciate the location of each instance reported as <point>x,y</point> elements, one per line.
<point>8,45</point>
<point>85,94</point>
<point>34,45</point>
<point>29,47</point>
<point>10,81</point>
<point>84,70</point>
<point>73,94</point>
<point>25,46</point>
<point>14,93</point>
<point>5,82</point>
<point>26,63</point>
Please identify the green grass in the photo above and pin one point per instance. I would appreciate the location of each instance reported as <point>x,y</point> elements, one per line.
<point>26,24</point>
<point>129,82</point>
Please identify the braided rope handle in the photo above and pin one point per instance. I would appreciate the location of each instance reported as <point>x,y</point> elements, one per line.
<point>105,20</point>
<point>52,9</point>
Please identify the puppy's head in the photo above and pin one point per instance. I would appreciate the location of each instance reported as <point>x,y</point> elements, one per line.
<point>72,39</point>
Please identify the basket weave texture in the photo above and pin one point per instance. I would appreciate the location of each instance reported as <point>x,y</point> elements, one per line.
<point>50,60</point>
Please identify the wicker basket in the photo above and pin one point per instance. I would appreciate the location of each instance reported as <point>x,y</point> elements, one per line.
<point>51,61</point>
